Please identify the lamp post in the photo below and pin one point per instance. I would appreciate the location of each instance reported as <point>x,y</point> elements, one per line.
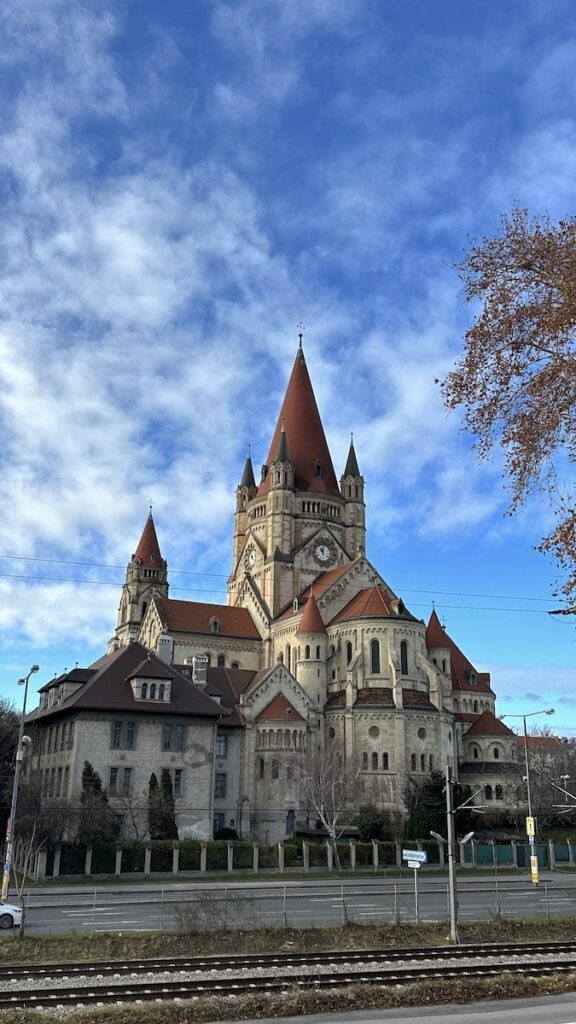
<point>451,845</point>
<point>530,821</point>
<point>565,779</point>
<point>12,819</point>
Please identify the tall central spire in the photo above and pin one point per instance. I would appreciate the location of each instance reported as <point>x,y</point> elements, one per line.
<point>304,436</point>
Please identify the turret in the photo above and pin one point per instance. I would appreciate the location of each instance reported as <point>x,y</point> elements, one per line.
<point>311,671</point>
<point>244,493</point>
<point>146,575</point>
<point>352,489</point>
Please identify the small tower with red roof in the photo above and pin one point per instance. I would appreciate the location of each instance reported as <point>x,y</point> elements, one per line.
<point>146,574</point>
<point>313,642</point>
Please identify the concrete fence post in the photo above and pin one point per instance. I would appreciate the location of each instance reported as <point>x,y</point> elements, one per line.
<point>203,857</point>
<point>147,859</point>
<point>118,864</point>
<point>40,871</point>
<point>175,860</point>
<point>88,861</point>
<point>57,855</point>
<point>255,857</point>
<point>230,857</point>
<point>353,854</point>
<point>330,856</point>
<point>280,857</point>
<point>306,856</point>
<point>375,851</point>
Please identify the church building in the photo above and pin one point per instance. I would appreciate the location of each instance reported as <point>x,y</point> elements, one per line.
<point>313,648</point>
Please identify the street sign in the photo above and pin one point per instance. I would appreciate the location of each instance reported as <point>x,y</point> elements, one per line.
<point>530,827</point>
<point>534,869</point>
<point>414,864</point>
<point>420,855</point>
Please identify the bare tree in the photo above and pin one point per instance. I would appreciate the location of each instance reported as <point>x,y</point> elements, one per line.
<point>516,379</point>
<point>327,785</point>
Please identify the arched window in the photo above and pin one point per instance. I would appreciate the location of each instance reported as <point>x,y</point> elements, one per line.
<point>208,657</point>
<point>374,762</point>
<point>496,753</point>
<point>287,656</point>
<point>475,753</point>
<point>235,664</point>
<point>443,664</point>
<point>498,792</point>
<point>275,769</point>
<point>375,657</point>
<point>307,652</point>
<point>404,658</point>
<point>384,762</point>
<point>413,762</point>
<point>152,691</point>
<point>475,707</point>
<point>348,653</point>
<point>221,660</point>
<point>488,792</point>
<point>430,762</point>
<point>290,823</point>
<point>161,690</point>
<point>214,625</point>
<point>261,767</point>
<point>318,653</point>
<point>144,690</point>
<point>364,761</point>
<point>422,762</point>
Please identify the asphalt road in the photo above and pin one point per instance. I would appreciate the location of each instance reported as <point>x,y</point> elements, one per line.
<point>147,907</point>
<point>548,1010</point>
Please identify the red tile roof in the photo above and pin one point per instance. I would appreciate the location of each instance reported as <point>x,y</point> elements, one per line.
<point>305,436</point>
<point>542,742</point>
<point>148,550</point>
<point>280,710</point>
<point>462,669</point>
<point>319,587</point>
<point>195,617</point>
<point>488,725</point>
<point>376,695</point>
<point>417,699</point>
<point>373,602</point>
<point>311,621</point>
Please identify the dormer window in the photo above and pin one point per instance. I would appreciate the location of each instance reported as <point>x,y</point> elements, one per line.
<point>214,625</point>
<point>152,691</point>
<point>472,678</point>
<point>144,691</point>
<point>161,691</point>
<point>318,471</point>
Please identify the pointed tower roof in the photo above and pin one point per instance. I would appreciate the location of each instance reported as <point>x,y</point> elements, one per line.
<point>304,436</point>
<point>282,451</point>
<point>248,474</point>
<point>464,675</point>
<point>311,621</point>
<point>351,468</point>
<point>148,550</point>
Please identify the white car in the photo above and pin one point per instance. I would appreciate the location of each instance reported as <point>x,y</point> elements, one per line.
<point>10,915</point>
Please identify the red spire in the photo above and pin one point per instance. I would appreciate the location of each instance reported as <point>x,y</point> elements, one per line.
<point>435,632</point>
<point>148,550</point>
<point>305,439</point>
<point>311,621</point>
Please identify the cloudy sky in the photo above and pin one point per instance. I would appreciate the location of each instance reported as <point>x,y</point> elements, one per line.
<point>181,184</point>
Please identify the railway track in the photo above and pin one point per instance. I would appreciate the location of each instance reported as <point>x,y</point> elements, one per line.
<point>102,968</point>
<point>374,967</point>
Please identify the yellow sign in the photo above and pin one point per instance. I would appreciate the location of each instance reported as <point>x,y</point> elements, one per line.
<point>530,829</point>
<point>534,869</point>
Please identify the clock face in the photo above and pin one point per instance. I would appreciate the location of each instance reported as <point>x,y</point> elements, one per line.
<point>250,557</point>
<point>324,553</point>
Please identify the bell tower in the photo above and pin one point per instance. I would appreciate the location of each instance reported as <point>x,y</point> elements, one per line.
<point>146,574</point>
<point>352,487</point>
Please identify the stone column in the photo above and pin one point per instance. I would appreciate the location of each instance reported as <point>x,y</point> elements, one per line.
<point>255,857</point>
<point>203,857</point>
<point>118,865</point>
<point>306,856</point>
<point>147,860</point>
<point>175,860</point>
<point>375,854</point>
<point>281,857</point>
<point>230,857</point>
<point>88,861</point>
<point>353,854</point>
<point>56,868</point>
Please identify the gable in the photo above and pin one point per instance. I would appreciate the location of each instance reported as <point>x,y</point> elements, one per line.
<point>280,709</point>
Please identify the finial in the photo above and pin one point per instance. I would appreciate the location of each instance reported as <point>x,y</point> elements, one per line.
<point>150,507</point>
<point>301,330</point>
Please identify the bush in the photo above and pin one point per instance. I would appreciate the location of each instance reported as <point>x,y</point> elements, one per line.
<point>161,856</point>
<point>190,855</point>
<point>103,858</point>
<point>268,857</point>
<point>243,855</point>
<point>72,858</point>
<point>217,857</point>
<point>132,857</point>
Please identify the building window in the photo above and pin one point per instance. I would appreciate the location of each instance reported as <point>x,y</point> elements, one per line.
<point>179,737</point>
<point>235,664</point>
<point>384,762</point>
<point>144,691</point>
<point>117,735</point>
<point>152,691</point>
<point>422,762</point>
<point>221,660</point>
<point>275,769</point>
<point>166,737</point>
<point>374,762</point>
<point>307,652</point>
<point>488,792</point>
<point>219,823</point>
<point>126,781</point>
<point>364,761</point>
<point>66,781</point>
<point>214,625</point>
<point>348,653</point>
<point>404,658</point>
<point>261,767</point>
<point>475,753</point>
<point>318,652</point>
<point>496,753</point>
<point>130,729</point>
<point>375,657</point>
<point>161,690</point>
<point>59,782</point>
<point>221,745</point>
<point>113,781</point>
<point>63,737</point>
<point>413,762</point>
<point>220,785</point>
<point>498,792</point>
<point>430,762</point>
<point>123,735</point>
<point>178,780</point>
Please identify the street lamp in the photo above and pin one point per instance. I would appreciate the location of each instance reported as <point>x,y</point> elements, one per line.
<point>565,779</point>
<point>530,822</point>
<point>22,742</point>
<point>451,845</point>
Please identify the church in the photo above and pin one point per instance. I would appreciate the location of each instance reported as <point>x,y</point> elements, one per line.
<point>313,648</point>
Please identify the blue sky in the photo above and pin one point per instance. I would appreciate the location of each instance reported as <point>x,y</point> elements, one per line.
<point>181,184</point>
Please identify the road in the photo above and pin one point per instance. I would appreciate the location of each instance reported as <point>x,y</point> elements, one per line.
<point>147,907</point>
<point>548,1010</point>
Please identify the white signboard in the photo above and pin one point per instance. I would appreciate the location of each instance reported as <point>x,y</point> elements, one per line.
<point>414,864</point>
<point>420,855</point>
